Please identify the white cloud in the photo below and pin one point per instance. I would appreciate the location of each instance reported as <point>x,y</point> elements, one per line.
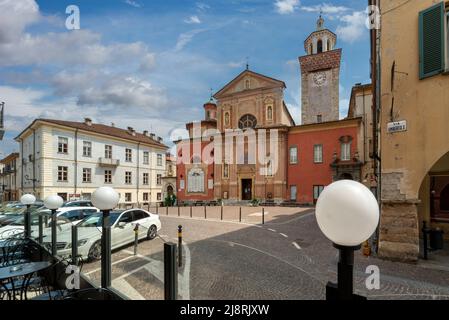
<point>325,8</point>
<point>235,64</point>
<point>202,6</point>
<point>286,6</point>
<point>193,20</point>
<point>133,3</point>
<point>186,38</point>
<point>354,26</point>
<point>17,15</point>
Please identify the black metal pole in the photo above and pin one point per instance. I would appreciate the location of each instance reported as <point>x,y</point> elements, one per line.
<point>222,213</point>
<point>166,210</point>
<point>75,245</point>
<point>28,222</point>
<point>180,246</point>
<point>424,233</point>
<point>240,214</point>
<point>170,271</point>
<point>106,268</point>
<point>136,238</point>
<point>157,209</point>
<point>179,211</point>
<point>54,250</point>
<point>41,230</point>
<point>263,215</point>
<point>205,213</point>
<point>191,214</point>
<point>344,289</point>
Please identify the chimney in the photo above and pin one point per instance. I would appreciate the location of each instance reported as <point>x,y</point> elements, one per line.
<point>145,133</point>
<point>159,139</point>
<point>113,124</point>
<point>152,136</point>
<point>88,121</point>
<point>131,131</point>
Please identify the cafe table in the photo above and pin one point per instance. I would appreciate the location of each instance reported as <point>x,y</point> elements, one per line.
<point>23,273</point>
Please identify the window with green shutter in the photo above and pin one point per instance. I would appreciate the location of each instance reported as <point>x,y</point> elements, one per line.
<point>431,41</point>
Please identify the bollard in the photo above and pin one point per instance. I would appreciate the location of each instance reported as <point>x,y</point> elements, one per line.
<point>221,213</point>
<point>263,215</point>
<point>157,209</point>
<point>179,211</point>
<point>425,232</point>
<point>41,230</point>
<point>148,206</point>
<point>180,246</point>
<point>54,250</point>
<point>205,213</point>
<point>136,238</point>
<point>75,245</point>
<point>240,215</point>
<point>191,215</point>
<point>170,272</point>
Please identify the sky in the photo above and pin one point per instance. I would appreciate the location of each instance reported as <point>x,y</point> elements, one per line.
<point>152,64</point>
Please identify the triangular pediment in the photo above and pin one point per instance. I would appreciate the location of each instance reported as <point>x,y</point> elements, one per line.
<point>248,80</point>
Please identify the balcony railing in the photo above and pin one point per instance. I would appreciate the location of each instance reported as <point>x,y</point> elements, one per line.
<point>106,162</point>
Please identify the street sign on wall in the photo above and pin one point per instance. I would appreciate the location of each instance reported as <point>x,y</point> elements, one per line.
<point>398,126</point>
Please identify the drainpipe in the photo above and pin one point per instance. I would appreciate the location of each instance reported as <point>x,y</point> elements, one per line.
<point>34,161</point>
<point>138,172</point>
<point>76,161</point>
<point>21,165</point>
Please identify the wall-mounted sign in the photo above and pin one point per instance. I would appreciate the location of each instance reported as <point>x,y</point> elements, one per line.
<point>398,126</point>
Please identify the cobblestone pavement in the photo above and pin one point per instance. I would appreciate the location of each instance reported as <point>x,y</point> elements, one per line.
<point>287,258</point>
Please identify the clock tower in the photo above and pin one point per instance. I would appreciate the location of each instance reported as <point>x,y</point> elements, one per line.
<point>320,76</point>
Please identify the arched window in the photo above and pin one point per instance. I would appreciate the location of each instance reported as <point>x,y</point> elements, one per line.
<point>195,180</point>
<point>269,113</point>
<point>207,115</point>
<point>320,46</point>
<point>329,45</point>
<point>247,121</point>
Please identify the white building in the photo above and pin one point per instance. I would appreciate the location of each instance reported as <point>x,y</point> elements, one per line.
<point>72,159</point>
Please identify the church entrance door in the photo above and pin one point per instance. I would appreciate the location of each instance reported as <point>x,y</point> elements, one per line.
<point>247,189</point>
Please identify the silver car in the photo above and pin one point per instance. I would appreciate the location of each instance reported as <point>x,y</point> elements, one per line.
<point>122,222</point>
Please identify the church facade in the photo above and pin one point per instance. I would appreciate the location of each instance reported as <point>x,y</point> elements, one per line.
<point>249,147</point>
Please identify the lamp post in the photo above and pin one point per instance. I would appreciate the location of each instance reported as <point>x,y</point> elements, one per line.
<point>28,200</point>
<point>53,203</point>
<point>348,214</point>
<point>105,199</point>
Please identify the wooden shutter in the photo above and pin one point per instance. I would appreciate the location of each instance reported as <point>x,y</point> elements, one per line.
<point>431,41</point>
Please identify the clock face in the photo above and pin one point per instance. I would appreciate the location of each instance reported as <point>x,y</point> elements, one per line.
<point>319,78</point>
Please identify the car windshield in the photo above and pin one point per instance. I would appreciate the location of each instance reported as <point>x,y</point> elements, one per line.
<point>96,220</point>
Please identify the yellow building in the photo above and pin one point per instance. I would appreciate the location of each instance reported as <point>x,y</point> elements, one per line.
<point>414,122</point>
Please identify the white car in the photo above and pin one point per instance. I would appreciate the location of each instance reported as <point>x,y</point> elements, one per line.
<point>123,223</point>
<point>67,216</point>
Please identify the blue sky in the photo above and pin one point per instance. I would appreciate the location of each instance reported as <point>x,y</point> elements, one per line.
<point>151,64</point>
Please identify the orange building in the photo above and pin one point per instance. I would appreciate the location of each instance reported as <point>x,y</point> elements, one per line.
<point>320,154</point>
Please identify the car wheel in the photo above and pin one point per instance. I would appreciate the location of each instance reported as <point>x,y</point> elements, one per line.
<point>152,232</point>
<point>95,251</point>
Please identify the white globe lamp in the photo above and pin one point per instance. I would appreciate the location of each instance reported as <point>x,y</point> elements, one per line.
<point>53,202</point>
<point>28,199</point>
<point>105,198</point>
<point>348,214</point>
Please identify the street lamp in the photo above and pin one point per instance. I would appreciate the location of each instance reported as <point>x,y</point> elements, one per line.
<point>105,199</point>
<point>53,203</point>
<point>28,200</point>
<point>348,214</point>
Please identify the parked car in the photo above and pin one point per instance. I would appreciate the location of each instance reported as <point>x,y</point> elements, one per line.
<point>122,223</point>
<point>65,216</point>
<point>78,203</point>
<point>16,212</point>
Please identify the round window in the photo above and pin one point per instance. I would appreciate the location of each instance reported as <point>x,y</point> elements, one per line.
<point>247,121</point>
